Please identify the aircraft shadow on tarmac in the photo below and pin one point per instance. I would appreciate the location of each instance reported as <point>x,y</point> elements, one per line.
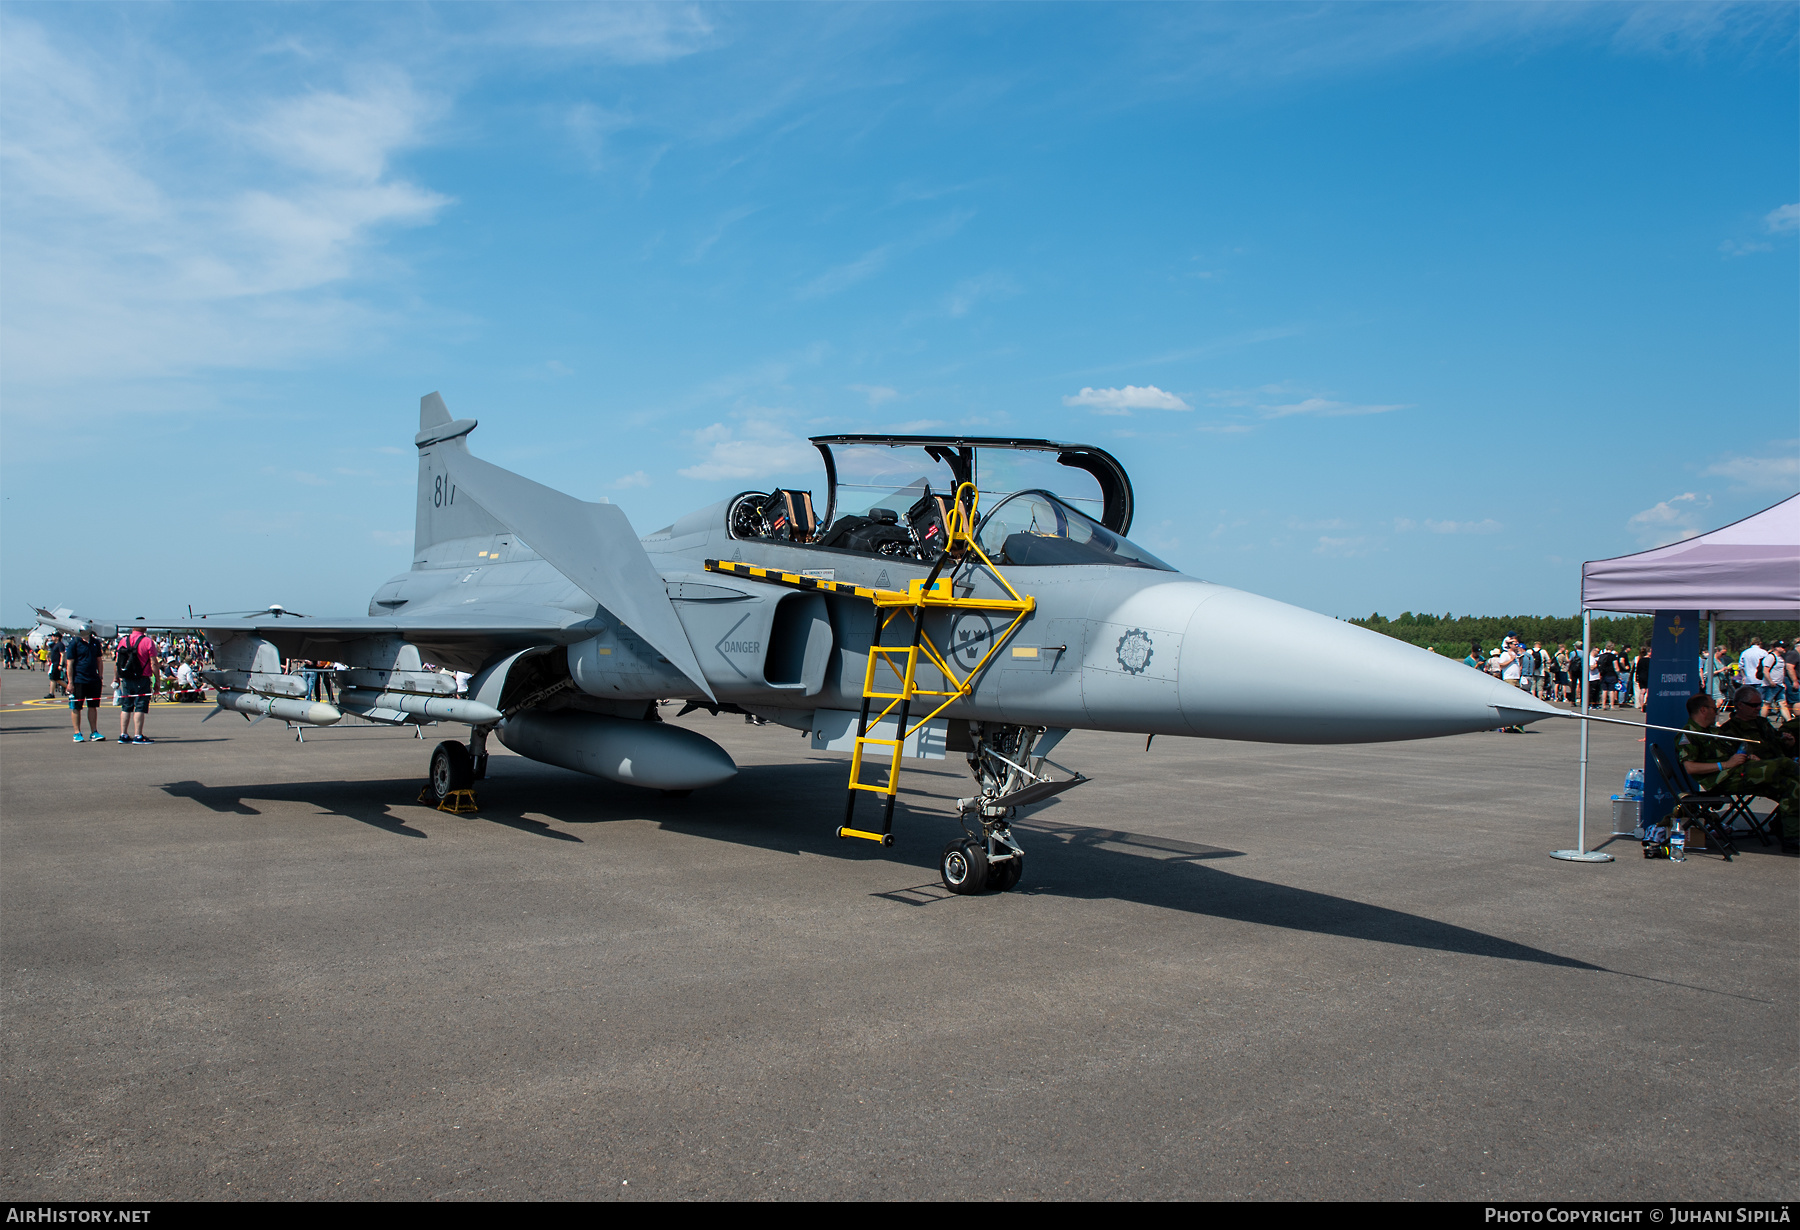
<point>793,808</point>
<point>361,801</point>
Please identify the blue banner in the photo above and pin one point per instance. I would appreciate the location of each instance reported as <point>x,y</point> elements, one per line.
<point>1677,640</point>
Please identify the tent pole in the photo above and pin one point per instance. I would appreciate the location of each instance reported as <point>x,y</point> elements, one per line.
<point>1581,854</point>
<point>1587,651</point>
<point>1712,634</point>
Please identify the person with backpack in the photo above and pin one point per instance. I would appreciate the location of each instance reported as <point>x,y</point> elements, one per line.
<point>1755,663</point>
<point>54,670</point>
<point>136,672</point>
<point>1537,666</point>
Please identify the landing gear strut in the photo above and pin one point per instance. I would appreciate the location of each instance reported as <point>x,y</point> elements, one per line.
<point>478,751</point>
<point>988,856</point>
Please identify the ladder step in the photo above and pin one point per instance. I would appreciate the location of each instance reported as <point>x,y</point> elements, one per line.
<point>886,839</point>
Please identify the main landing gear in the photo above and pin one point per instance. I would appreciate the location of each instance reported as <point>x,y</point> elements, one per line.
<point>987,856</point>
<point>457,766</point>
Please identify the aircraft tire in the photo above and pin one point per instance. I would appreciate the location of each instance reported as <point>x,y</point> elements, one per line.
<point>964,867</point>
<point>1003,877</point>
<point>451,769</point>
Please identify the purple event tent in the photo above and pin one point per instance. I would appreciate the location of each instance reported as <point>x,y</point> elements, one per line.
<point>1749,569</point>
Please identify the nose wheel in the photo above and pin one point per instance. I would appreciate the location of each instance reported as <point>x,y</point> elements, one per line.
<point>964,867</point>
<point>971,865</point>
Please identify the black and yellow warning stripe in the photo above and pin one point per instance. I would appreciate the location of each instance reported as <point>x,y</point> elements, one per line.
<point>791,579</point>
<point>942,594</point>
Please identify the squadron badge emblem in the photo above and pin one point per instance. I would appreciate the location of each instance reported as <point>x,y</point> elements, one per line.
<point>1134,651</point>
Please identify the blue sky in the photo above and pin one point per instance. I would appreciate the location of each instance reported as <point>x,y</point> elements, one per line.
<point>1388,307</point>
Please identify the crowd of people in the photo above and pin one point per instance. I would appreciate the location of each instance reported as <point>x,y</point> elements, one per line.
<point>1616,679</point>
<point>143,666</point>
<point>1620,678</point>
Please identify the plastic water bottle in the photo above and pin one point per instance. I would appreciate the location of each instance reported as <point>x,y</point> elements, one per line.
<point>1677,843</point>
<point>1634,784</point>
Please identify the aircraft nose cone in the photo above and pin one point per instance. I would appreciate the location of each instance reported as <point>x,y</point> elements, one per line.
<point>1254,668</point>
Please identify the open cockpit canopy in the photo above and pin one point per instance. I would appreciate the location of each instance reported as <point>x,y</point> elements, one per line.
<point>890,495</point>
<point>1080,474</point>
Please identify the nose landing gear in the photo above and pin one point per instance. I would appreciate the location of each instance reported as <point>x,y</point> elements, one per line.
<point>990,857</point>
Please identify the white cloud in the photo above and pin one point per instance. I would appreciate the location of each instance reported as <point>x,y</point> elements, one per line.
<point>848,274</point>
<point>725,222</point>
<point>1732,247</point>
<point>876,393</point>
<point>1485,526</point>
<point>621,33</point>
<point>1127,399</point>
<point>1775,469</point>
<point>637,478</point>
<point>1777,221</point>
<point>155,228</point>
<point>756,448</point>
<point>1323,408</point>
<point>305,478</point>
<point>1670,520</point>
<point>1268,402</point>
<point>1344,548</point>
<point>841,277</point>
<point>971,291</point>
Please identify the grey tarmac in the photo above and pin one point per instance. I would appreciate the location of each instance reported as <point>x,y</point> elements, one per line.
<point>238,966</point>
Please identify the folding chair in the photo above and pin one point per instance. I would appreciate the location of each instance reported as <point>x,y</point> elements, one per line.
<point>1695,804</point>
<point>1737,807</point>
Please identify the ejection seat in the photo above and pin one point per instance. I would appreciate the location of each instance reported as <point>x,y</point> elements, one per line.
<point>793,517</point>
<point>930,520</point>
<point>879,533</point>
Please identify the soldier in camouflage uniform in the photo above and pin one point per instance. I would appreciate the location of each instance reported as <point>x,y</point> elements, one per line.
<point>1765,767</point>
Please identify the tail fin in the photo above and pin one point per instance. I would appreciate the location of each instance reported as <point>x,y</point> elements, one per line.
<point>441,518</point>
<point>433,412</point>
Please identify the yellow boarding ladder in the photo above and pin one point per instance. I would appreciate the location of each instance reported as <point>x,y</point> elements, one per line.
<point>902,661</point>
<point>933,593</point>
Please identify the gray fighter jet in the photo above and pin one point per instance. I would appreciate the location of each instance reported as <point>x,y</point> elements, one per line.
<point>940,602</point>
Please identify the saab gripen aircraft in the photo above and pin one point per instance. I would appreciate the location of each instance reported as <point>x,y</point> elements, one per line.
<point>950,595</point>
